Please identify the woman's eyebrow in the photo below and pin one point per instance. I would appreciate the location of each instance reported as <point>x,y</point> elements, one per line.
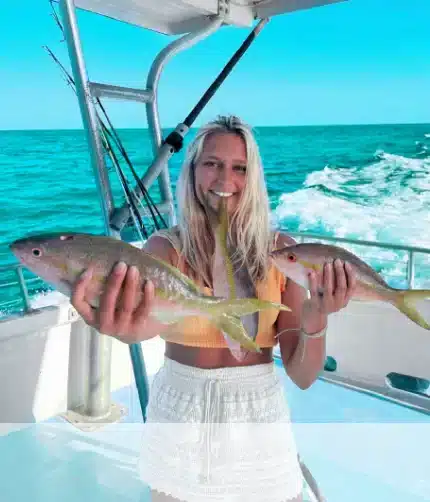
<point>236,161</point>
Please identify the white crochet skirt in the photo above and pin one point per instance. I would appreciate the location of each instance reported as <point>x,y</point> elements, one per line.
<point>219,434</point>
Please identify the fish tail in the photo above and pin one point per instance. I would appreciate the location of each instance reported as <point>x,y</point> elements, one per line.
<point>236,337</point>
<point>404,301</point>
<point>225,315</point>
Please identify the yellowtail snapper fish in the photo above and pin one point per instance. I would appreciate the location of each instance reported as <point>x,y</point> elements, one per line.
<point>61,258</point>
<point>226,283</point>
<point>297,260</point>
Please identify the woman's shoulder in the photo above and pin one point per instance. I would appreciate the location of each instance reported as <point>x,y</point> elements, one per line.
<point>281,239</point>
<point>166,233</point>
<point>165,244</point>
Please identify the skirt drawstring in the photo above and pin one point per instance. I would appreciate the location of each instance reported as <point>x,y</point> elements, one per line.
<point>211,406</point>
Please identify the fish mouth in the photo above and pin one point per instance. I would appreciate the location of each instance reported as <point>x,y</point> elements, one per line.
<point>18,248</point>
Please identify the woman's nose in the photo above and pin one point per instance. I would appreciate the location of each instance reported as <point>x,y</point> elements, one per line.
<point>225,174</point>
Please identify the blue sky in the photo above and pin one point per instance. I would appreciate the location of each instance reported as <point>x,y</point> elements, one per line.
<point>361,61</point>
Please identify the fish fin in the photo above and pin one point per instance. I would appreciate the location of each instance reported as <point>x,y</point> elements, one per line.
<point>236,337</point>
<point>404,302</point>
<point>238,352</point>
<point>231,327</point>
<point>244,306</point>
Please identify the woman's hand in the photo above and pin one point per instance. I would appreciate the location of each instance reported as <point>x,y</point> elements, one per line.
<point>330,291</point>
<point>117,315</point>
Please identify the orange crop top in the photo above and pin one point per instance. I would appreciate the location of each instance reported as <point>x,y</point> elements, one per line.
<point>200,332</point>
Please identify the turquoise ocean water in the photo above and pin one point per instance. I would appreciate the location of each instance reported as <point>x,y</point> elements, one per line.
<point>370,182</point>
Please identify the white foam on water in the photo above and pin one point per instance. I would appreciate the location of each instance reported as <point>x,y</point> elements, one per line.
<point>386,201</point>
<point>47,298</point>
<point>40,300</point>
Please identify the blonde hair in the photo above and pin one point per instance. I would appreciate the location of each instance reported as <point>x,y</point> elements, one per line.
<point>249,230</point>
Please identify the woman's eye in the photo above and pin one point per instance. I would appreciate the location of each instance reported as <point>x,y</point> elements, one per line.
<point>242,169</point>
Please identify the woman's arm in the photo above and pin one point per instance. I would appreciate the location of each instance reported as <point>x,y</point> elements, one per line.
<point>311,316</point>
<point>302,372</point>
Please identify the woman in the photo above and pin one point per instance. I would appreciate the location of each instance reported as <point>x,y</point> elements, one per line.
<point>218,428</point>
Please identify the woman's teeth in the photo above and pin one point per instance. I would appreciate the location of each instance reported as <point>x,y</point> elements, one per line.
<point>223,194</point>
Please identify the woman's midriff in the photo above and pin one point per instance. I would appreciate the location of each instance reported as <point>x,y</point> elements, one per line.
<point>210,358</point>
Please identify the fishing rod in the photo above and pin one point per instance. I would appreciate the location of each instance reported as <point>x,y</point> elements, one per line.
<point>105,133</point>
<point>151,206</point>
<point>145,192</point>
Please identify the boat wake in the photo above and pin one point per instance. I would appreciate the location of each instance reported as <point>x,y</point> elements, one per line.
<point>387,200</point>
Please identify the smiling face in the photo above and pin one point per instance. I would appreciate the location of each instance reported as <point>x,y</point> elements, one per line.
<point>220,171</point>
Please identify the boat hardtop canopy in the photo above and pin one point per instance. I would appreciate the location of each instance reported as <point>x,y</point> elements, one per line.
<point>175,17</point>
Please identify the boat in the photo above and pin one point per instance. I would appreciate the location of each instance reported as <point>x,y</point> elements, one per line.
<point>73,402</point>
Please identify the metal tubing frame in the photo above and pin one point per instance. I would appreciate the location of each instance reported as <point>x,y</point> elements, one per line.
<point>411,269</point>
<point>161,169</point>
<point>156,69</point>
<point>98,401</point>
<point>121,215</point>
<point>98,404</point>
<point>87,108</point>
<point>23,290</point>
<point>118,92</point>
<point>162,153</point>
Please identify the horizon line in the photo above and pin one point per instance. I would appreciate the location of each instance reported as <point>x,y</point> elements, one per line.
<point>354,124</point>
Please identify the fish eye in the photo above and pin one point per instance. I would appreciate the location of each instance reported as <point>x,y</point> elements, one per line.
<point>36,252</point>
<point>291,257</point>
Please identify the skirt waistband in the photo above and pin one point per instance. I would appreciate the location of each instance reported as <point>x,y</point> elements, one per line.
<point>257,372</point>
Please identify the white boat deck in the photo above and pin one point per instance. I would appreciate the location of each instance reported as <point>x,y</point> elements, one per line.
<point>357,447</point>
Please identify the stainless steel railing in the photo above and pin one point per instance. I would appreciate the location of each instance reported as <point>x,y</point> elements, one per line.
<point>22,282</point>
